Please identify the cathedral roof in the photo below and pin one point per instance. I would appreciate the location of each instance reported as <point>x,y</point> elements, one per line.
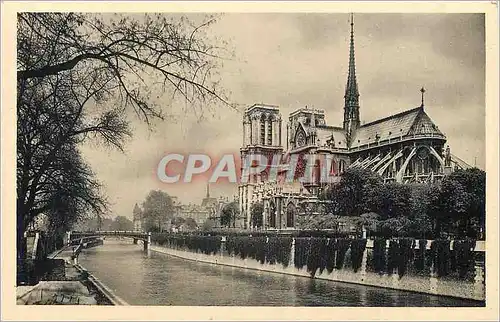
<point>325,133</point>
<point>408,123</point>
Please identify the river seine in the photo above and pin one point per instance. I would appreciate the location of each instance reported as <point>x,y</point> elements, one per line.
<point>159,279</point>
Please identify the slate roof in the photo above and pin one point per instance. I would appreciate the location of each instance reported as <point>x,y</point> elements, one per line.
<point>324,133</point>
<point>424,125</point>
<point>410,122</point>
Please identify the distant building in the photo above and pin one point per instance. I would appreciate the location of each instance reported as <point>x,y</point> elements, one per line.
<point>216,212</point>
<point>200,213</point>
<point>137,219</point>
<point>208,201</point>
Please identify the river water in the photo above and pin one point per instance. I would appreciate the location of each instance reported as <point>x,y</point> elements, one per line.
<point>159,279</point>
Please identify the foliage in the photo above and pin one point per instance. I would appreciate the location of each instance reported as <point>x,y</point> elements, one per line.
<point>406,247</point>
<point>248,246</point>
<point>177,221</point>
<point>461,199</point>
<point>272,249</point>
<point>319,253</point>
<point>390,200</point>
<point>124,49</point>
<point>357,250</point>
<point>370,221</point>
<point>331,249</point>
<point>267,233</point>
<point>350,196</point>
<point>392,256</point>
<point>301,251</point>
<point>379,255</point>
<point>422,198</point>
<point>441,255</point>
<point>399,255</point>
<point>229,214</point>
<point>278,250</point>
<point>317,222</point>
<point>342,247</point>
<point>419,262</point>
<point>208,225</point>
<point>419,227</point>
<point>463,250</point>
<point>455,205</point>
<point>97,223</point>
<point>190,223</point>
<point>52,177</point>
<point>283,249</point>
<point>158,209</point>
<point>315,251</point>
<point>396,227</point>
<point>183,223</point>
<point>204,244</point>
<point>122,223</point>
<point>137,212</point>
<point>256,214</point>
<point>77,76</point>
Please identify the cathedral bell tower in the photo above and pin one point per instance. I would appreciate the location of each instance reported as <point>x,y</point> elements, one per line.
<point>351,97</point>
<point>261,136</point>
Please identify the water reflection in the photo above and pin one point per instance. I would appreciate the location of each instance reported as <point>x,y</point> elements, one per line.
<point>159,279</point>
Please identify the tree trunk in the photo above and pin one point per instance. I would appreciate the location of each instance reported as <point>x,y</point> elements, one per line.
<point>20,245</point>
<point>21,242</point>
<point>21,224</point>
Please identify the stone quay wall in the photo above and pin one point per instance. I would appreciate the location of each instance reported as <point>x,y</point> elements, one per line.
<point>468,286</point>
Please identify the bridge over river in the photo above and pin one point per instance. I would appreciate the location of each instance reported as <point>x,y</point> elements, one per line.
<point>78,237</point>
<point>152,278</point>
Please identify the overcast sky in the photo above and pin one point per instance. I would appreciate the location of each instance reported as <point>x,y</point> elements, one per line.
<point>293,60</point>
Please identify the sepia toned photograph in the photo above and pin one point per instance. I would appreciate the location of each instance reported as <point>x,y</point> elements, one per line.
<point>251,159</point>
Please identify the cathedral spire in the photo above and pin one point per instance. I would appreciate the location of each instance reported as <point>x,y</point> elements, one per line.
<point>208,190</point>
<point>351,91</point>
<point>351,97</point>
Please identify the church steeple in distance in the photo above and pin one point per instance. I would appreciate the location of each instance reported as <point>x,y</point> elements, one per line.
<point>351,97</point>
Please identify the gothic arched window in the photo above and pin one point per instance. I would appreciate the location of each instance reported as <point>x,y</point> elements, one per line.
<point>333,169</point>
<point>272,215</point>
<point>291,212</point>
<point>300,138</point>
<point>263,130</point>
<point>270,132</point>
<point>341,166</point>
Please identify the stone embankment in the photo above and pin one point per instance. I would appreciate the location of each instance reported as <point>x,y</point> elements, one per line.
<point>472,288</point>
<point>69,284</point>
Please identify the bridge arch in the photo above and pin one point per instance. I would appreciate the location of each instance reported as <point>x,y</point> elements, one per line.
<point>134,235</point>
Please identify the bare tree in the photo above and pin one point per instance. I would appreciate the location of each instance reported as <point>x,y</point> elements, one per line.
<point>52,178</point>
<point>71,195</point>
<point>78,74</point>
<point>133,54</point>
<point>51,123</point>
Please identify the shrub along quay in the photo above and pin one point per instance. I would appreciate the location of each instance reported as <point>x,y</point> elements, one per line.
<point>442,267</point>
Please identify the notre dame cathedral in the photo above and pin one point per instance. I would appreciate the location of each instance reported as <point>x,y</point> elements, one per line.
<point>405,147</point>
